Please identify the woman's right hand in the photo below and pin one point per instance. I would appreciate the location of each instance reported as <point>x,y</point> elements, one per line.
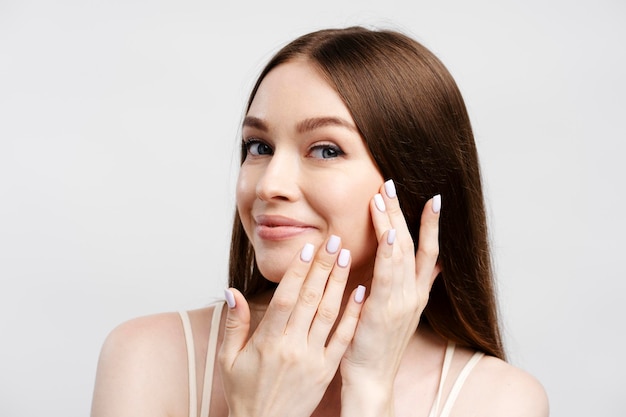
<point>285,367</point>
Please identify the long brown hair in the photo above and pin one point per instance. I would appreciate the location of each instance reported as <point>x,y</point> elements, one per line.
<point>412,117</point>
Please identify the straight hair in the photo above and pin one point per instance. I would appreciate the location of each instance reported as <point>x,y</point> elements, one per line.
<point>412,117</point>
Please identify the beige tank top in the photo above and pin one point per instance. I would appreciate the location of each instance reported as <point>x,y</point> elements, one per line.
<point>437,410</point>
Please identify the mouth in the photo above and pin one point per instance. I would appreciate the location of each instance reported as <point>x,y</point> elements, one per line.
<point>275,227</point>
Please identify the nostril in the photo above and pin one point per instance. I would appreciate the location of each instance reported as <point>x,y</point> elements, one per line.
<point>279,180</point>
<point>277,188</point>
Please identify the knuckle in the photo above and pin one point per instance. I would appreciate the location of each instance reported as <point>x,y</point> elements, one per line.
<point>394,209</point>
<point>327,314</point>
<point>230,325</point>
<point>429,250</point>
<point>343,337</point>
<point>298,274</point>
<point>387,252</point>
<point>282,303</point>
<point>310,296</point>
<point>408,246</point>
<point>398,256</point>
<point>324,263</point>
<point>338,277</point>
<point>290,355</point>
<point>351,315</point>
<point>384,279</point>
<point>262,345</point>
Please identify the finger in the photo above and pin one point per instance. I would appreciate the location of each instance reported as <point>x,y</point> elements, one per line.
<point>329,306</point>
<point>343,335</point>
<point>285,296</point>
<point>313,287</point>
<point>404,250</point>
<point>380,217</point>
<point>396,217</point>
<point>426,268</point>
<point>383,279</point>
<point>236,327</point>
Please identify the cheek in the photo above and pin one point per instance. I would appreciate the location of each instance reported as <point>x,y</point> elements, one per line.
<point>243,183</point>
<point>346,209</point>
<point>245,194</point>
<point>359,235</point>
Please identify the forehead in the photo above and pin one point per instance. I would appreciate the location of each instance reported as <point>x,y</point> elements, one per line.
<point>297,90</point>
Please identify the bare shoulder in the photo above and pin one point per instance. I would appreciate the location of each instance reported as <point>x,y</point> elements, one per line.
<point>142,369</point>
<point>144,340</point>
<point>497,388</point>
<point>140,334</point>
<point>136,359</point>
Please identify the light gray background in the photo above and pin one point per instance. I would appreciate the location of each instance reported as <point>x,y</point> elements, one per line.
<point>118,157</point>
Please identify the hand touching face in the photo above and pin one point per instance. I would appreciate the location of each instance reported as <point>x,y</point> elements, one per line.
<point>309,181</point>
<point>307,172</point>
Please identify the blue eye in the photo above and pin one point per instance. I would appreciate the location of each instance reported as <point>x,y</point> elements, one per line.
<point>326,151</point>
<point>255,147</point>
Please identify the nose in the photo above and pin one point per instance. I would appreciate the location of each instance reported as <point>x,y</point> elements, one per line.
<point>280,179</point>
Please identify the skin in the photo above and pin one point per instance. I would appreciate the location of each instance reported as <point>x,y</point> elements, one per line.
<point>314,348</point>
<point>306,162</point>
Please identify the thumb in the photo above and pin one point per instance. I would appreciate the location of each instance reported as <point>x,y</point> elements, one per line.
<point>236,327</point>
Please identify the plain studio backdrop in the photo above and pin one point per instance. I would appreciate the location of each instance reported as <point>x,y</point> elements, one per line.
<point>119,154</point>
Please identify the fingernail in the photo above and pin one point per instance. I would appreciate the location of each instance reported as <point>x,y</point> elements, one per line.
<point>360,294</point>
<point>391,236</point>
<point>307,253</point>
<point>344,258</point>
<point>390,189</point>
<point>230,298</point>
<point>437,203</point>
<point>333,244</point>
<point>380,203</point>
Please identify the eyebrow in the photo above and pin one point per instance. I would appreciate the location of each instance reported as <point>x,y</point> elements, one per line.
<point>255,122</point>
<point>318,122</point>
<point>305,125</point>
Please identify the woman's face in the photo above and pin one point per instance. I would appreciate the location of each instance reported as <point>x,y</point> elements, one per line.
<point>307,173</point>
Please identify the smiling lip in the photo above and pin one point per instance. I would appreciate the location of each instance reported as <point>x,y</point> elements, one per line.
<point>273,227</point>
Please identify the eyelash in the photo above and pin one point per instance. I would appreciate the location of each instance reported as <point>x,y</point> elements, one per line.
<point>325,146</point>
<point>249,143</point>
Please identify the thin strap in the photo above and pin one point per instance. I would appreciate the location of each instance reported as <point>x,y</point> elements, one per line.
<point>191,363</point>
<point>210,360</point>
<point>458,384</point>
<point>447,361</point>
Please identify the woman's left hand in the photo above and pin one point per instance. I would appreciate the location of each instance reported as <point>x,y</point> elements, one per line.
<point>399,292</point>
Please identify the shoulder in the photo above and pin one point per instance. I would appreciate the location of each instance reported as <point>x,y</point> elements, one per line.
<point>143,331</point>
<point>142,369</point>
<point>144,339</point>
<point>136,359</point>
<point>497,388</point>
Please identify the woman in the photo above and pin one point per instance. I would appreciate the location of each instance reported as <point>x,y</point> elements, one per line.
<point>359,216</point>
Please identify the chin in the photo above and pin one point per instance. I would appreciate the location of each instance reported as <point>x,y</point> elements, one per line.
<point>273,259</point>
<point>273,266</point>
<point>272,273</point>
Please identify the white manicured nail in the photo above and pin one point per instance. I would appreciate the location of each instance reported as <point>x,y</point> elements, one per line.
<point>360,294</point>
<point>333,244</point>
<point>230,298</point>
<point>437,203</point>
<point>307,252</point>
<point>390,189</point>
<point>344,258</point>
<point>380,203</point>
<point>391,236</point>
